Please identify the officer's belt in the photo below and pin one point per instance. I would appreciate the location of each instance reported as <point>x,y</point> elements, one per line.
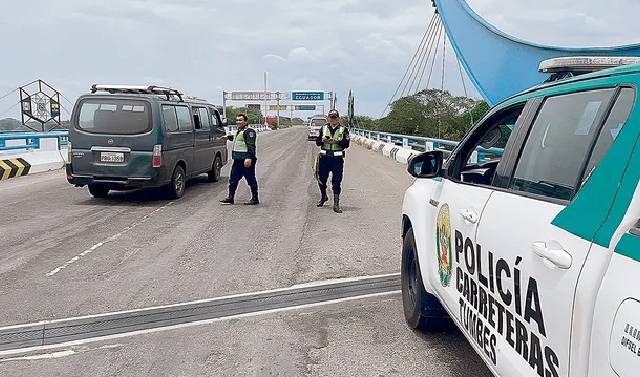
<point>331,153</point>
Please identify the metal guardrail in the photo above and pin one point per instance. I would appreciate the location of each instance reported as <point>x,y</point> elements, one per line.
<point>31,140</point>
<point>422,144</point>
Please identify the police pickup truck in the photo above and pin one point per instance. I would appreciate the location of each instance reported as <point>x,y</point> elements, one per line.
<point>528,236</point>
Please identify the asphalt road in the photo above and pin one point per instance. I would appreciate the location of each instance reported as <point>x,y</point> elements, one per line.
<point>66,254</point>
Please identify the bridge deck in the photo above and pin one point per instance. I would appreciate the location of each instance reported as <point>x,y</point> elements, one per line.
<point>65,254</point>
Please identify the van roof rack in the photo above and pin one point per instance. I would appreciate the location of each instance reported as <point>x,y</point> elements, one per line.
<point>133,89</point>
<point>565,67</point>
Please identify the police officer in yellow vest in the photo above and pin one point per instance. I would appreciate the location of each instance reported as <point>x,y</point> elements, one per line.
<point>333,140</point>
<point>244,160</point>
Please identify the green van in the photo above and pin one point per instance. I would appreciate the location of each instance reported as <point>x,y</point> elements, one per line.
<point>129,137</point>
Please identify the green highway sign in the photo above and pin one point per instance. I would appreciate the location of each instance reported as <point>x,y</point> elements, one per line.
<point>307,96</point>
<point>305,107</point>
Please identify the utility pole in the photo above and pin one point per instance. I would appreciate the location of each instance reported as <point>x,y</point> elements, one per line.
<point>224,105</point>
<point>278,110</point>
<point>265,97</point>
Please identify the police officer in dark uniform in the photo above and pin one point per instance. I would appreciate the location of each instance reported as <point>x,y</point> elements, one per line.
<point>244,160</point>
<point>333,140</point>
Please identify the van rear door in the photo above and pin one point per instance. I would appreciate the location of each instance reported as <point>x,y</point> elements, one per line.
<point>113,138</point>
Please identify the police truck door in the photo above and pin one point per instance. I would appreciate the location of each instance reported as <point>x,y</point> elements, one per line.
<point>528,260</point>
<point>460,199</point>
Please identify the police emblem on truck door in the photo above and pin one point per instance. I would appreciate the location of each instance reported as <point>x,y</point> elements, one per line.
<point>443,239</point>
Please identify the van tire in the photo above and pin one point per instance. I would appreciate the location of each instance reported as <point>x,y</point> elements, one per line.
<point>98,191</point>
<point>422,310</point>
<point>178,183</point>
<point>214,173</point>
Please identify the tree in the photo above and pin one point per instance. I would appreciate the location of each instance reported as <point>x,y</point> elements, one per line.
<point>255,117</point>
<point>431,113</point>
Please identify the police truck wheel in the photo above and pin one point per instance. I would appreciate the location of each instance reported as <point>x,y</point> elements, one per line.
<point>422,310</point>
<point>178,183</point>
<point>98,191</point>
<point>214,173</point>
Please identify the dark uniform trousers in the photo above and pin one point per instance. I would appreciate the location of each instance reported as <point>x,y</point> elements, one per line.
<point>333,165</point>
<point>237,172</point>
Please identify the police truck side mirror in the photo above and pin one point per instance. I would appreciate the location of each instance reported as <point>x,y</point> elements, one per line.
<point>426,165</point>
<point>225,122</point>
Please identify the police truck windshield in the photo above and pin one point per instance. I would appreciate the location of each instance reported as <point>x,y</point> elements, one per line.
<point>114,117</point>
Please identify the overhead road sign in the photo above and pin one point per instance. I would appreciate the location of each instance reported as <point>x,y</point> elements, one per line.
<point>277,107</point>
<point>253,106</point>
<point>307,96</point>
<point>250,96</point>
<point>305,107</point>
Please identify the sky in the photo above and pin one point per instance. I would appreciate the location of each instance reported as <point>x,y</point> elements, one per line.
<point>204,47</point>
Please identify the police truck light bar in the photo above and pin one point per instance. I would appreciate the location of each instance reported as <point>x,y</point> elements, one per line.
<point>584,64</point>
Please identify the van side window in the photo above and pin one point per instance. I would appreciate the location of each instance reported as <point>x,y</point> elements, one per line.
<point>559,144</point>
<point>170,119</point>
<point>203,115</point>
<point>214,118</point>
<point>184,118</point>
<point>612,127</point>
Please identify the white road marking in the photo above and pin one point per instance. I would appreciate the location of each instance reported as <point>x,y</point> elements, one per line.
<point>187,325</point>
<point>110,239</point>
<point>58,354</point>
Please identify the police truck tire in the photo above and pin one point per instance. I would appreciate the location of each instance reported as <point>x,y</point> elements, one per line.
<point>98,191</point>
<point>178,183</point>
<point>422,310</point>
<point>214,173</point>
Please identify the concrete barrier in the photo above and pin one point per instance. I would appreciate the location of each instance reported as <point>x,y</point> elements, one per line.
<point>391,151</point>
<point>403,155</point>
<point>386,150</point>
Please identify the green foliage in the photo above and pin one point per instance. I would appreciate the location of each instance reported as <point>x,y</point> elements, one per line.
<point>431,113</point>
<point>255,117</point>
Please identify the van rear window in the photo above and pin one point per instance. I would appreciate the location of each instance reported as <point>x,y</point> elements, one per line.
<point>120,117</point>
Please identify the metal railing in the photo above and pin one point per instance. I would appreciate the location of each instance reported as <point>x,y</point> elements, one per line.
<point>31,140</point>
<point>257,127</point>
<point>422,144</point>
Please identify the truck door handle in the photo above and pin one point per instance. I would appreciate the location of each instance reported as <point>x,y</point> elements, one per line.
<point>469,216</point>
<point>552,253</point>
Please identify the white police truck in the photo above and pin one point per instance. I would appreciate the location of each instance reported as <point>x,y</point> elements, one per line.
<point>527,235</point>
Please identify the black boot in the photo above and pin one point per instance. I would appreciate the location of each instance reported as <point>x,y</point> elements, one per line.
<point>336,204</point>
<point>252,202</point>
<point>228,200</point>
<point>323,199</point>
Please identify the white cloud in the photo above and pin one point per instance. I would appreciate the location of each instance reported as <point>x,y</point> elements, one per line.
<point>202,46</point>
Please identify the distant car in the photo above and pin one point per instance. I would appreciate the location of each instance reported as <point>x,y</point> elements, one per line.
<point>127,137</point>
<point>528,237</point>
<point>315,124</point>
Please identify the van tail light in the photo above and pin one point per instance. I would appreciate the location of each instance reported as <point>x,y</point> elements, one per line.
<point>69,153</point>
<point>157,156</point>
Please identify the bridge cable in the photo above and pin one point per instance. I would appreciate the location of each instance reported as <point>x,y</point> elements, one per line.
<point>8,94</point>
<point>426,63</point>
<point>420,53</point>
<point>425,52</point>
<point>426,57</point>
<point>9,108</point>
<point>464,87</point>
<point>435,56</point>
<point>405,73</point>
<point>444,54</point>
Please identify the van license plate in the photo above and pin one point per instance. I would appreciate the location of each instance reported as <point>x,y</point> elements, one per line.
<point>111,157</point>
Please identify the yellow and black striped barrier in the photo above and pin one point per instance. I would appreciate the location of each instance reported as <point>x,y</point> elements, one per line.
<point>13,167</point>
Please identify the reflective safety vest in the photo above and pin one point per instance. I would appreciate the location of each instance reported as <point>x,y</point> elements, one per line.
<point>239,144</point>
<point>338,136</point>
